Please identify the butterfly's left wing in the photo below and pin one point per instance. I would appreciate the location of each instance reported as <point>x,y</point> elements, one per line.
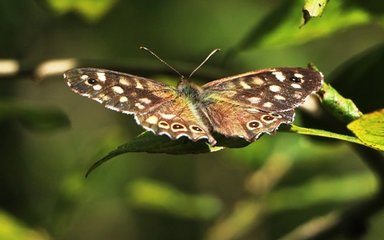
<point>156,106</point>
<point>118,91</point>
<point>252,103</point>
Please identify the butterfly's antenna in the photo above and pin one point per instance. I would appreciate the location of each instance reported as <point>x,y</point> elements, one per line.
<point>161,60</point>
<point>202,63</point>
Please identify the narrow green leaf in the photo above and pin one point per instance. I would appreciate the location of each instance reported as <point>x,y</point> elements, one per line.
<point>370,129</point>
<point>150,143</point>
<point>313,8</point>
<point>323,133</point>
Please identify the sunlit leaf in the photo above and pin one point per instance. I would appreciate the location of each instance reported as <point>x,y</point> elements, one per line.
<point>313,8</point>
<point>370,129</point>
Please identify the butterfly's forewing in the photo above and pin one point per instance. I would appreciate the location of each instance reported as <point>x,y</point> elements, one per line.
<point>156,106</point>
<point>119,91</point>
<point>257,102</point>
<point>271,90</point>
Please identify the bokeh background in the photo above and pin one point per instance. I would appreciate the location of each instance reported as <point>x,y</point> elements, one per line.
<point>285,186</point>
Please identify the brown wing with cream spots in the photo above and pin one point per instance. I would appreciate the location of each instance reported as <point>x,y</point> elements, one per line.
<point>157,107</point>
<point>241,121</point>
<point>253,103</point>
<point>177,118</point>
<point>119,91</point>
<point>275,89</point>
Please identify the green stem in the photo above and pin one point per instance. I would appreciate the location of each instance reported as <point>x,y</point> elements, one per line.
<point>323,133</point>
<point>341,107</point>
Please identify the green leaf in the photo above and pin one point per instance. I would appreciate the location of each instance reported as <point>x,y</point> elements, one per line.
<point>327,134</point>
<point>161,197</point>
<point>34,117</point>
<point>370,129</point>
<point>313,8</point>
<point>91,10</point>
<point>150,143</point>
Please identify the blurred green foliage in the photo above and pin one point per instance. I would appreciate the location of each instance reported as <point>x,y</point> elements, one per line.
<point>263,191</point>
<point>91,10</point>
<point>153,195</point>
<point>11,229</point>
<point>33,118</point>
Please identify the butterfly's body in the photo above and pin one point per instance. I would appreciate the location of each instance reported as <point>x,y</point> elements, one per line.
<point>187,89</point>
<point>245,105</point>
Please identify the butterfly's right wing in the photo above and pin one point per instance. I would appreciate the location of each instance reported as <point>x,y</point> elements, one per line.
<point>272,89</point>
<point>155,105</point>
<point>257,102</point>
<point>241,121</point>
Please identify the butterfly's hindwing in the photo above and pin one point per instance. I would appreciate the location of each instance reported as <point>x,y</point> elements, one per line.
<point>175,119</point>
<point>248,123</point>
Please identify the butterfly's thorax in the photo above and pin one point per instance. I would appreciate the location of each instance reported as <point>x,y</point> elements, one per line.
<point>193,93</point>
<point>190,91</point>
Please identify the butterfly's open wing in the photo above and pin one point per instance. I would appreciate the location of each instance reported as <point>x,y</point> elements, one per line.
<point>156,106</point>
<point>275,89</point>
<point>248,123</point>
<point>252,103</point>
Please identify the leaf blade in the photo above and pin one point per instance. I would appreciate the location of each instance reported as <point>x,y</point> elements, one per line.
<point>370,129</point>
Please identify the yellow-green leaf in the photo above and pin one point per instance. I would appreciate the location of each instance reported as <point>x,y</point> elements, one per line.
<point>370,129</point>
<point>313,8</point>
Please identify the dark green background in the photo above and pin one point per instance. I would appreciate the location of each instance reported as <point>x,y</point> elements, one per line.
<point>50,136</point>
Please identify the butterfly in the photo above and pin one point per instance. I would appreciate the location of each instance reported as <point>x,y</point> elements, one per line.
<point>245,105</point>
